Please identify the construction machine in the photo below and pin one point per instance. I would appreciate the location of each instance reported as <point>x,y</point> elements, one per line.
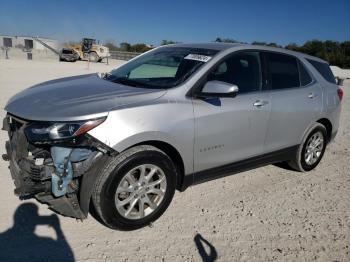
<point>88,49</point>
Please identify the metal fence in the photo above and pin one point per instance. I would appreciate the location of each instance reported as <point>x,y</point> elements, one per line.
<point>121,55</point>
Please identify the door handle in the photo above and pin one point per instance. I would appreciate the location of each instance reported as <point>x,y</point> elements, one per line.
<point>311,95</point>
<point>260,103</point>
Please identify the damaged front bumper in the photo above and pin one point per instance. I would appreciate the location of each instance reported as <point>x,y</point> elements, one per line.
<point>52,172</point>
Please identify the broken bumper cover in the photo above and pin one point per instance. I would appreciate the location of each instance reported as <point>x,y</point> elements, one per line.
<point>50,173</point>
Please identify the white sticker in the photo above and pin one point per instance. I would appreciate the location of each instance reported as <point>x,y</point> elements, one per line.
<point>202,58</point>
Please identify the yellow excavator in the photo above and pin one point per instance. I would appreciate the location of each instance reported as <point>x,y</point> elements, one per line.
<point>88,49</point>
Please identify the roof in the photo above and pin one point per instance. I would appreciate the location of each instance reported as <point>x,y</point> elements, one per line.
<point>224,46</point>
<point>210,45</point>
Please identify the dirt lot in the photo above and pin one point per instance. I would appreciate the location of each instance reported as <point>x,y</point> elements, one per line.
<point>266,214</point>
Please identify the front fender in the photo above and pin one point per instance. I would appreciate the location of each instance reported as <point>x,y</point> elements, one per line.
<point>143,137</point>
<point>162,121</point>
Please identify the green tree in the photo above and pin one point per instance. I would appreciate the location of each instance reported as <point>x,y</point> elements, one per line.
<point>140,48</point>
<point>293,47</point>
<point>124,46</point>
<point>168,42</point>
<point>226,40</point>
<point>259,43</point>
<point>111,46</point>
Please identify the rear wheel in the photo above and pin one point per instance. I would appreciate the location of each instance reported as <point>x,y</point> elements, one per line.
<point>135,188</point>
<point>311,150</point>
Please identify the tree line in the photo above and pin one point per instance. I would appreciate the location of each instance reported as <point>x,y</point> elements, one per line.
<point>138,48</point>
<point>335,53</point>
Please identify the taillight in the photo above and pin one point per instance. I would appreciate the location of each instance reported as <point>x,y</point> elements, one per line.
<point>340,93</point>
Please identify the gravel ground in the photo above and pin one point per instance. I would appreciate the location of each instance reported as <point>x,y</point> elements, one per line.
<point>268,214</point>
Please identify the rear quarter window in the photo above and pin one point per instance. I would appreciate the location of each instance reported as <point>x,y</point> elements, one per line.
<point>305,77</point>
<point>323,69</point>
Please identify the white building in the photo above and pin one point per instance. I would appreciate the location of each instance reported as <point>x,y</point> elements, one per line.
<point>27,42</point>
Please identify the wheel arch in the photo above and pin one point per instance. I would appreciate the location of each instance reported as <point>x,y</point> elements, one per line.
<point>174,155</point>
<point>328,125</point>
<point>90,177</point>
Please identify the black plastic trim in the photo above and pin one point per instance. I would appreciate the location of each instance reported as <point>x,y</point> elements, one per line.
<point>240,166</point>
<point>89,179</point>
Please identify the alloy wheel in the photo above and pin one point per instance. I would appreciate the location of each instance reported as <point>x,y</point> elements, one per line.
<point>314,148</point>
<point>141,191</point>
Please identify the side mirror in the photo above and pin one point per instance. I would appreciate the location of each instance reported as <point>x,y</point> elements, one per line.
<point>219,89</point>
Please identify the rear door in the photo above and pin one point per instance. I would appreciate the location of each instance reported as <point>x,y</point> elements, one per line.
<point>296,100</point>
<point>229,129</point>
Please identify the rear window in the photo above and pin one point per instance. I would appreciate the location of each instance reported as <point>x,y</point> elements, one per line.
<point>283,70</point>
<point>66,51</point>
<point>324,70</point>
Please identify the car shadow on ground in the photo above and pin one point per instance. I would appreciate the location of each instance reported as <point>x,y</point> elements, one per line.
<point>20,243</point>
<point>201,242</point>
<point>284,165</point>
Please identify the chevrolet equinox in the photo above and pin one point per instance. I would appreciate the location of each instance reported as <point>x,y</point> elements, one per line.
<point>119,144</point>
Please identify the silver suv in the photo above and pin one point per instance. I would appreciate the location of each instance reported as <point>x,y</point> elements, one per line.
<point>119,144</point>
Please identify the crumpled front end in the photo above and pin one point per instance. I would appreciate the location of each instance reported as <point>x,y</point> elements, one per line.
<point>51,170</point>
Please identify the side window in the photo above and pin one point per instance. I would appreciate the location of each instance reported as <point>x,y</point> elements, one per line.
<point>323,69</point>
<point>242,69</point>
<point>283,71</point>
<point>305,77</point>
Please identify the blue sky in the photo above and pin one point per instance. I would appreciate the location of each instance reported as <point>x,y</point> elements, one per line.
<point>185,21</point>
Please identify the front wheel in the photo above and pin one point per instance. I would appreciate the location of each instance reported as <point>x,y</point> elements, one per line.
<point>311,150</point>
<point>135,188</point>
<point>93,57</point>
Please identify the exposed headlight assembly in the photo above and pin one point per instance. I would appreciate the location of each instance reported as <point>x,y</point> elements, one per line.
<point>46,131</point>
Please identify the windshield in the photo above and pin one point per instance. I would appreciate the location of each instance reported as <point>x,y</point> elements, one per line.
<point>162,68</point>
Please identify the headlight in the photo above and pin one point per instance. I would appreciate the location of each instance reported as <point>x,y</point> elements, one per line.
<point>44,131</point>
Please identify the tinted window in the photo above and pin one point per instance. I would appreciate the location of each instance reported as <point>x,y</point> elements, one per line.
<point>324,70</point>
<point>305,77</point>
<point>283,70</point>
<point>242,69</point>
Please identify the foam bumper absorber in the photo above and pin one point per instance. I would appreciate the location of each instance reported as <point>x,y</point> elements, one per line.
<point>62,159</point>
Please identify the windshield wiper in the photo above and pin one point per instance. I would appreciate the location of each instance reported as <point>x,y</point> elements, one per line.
<point>125,81</point>
<point>128,82</point>
<point>122,80</point>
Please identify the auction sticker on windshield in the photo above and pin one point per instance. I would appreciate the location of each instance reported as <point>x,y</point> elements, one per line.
<point>202,58</point>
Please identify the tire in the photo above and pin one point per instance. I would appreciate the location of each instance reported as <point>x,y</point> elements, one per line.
<point>300,161</point>
<point>93,57</point>
<point>116,175</point>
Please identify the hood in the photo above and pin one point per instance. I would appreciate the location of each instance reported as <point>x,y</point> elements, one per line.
<point>76,98</point>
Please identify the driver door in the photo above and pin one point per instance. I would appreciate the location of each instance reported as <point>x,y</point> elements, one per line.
<point>230,129</point>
